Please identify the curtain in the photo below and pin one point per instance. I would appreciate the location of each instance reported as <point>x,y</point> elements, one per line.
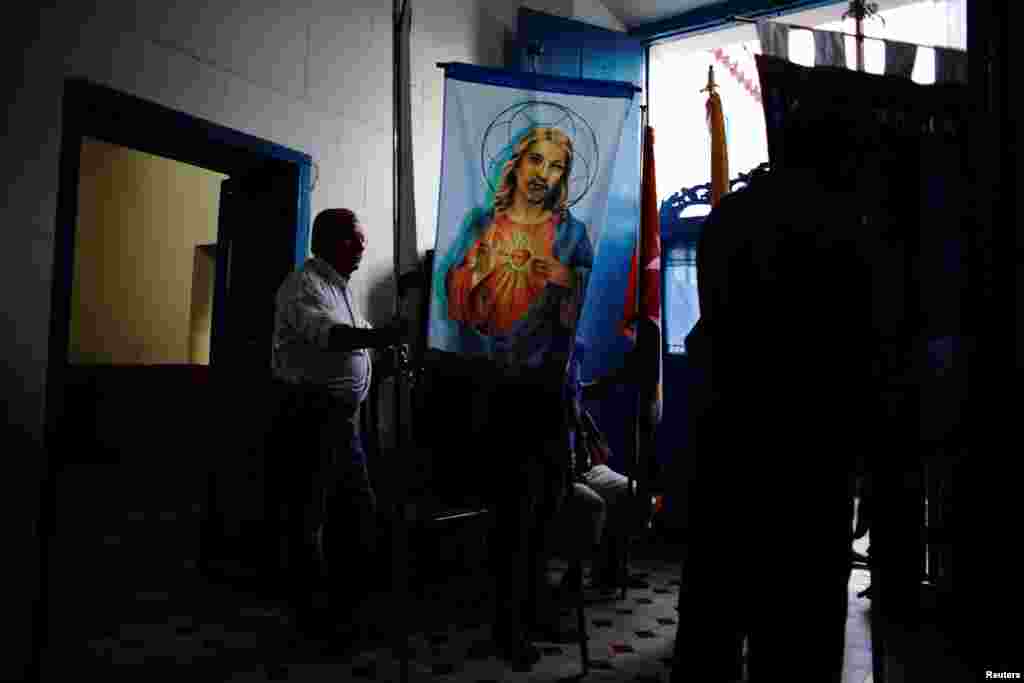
<point>774,39</point>
<point>899,58</point>
<point>829,49</point>
<point>914,197</point>
<point>950,66</point>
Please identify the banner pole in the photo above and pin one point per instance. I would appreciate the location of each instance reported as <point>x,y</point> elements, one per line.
<point>632,463</point>
<point>399,489</point>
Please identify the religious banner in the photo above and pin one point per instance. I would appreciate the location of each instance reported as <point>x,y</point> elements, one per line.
<point>529,219</point>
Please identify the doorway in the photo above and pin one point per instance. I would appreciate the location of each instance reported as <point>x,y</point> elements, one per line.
<point>146,233</point>
<point>136,407</point>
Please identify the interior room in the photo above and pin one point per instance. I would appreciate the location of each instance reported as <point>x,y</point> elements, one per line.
<point>165,169</point>
<point>126,272</point>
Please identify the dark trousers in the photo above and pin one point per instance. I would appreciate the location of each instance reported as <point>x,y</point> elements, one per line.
<point>348,511</point>
<point>769,560</point>
<point>322,500</point>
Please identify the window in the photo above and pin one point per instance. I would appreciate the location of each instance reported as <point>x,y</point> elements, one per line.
<point>679,284</point>
<point>678,73</point>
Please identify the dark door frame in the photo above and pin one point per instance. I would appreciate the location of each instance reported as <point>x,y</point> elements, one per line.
<point>95,111</point>
<point>99,112</point>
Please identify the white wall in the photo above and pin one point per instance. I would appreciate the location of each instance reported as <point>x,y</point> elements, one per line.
<point>312,75</point>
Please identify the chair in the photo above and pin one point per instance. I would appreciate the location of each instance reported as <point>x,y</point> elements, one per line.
<point>640,484</point>
<point>567,539</point>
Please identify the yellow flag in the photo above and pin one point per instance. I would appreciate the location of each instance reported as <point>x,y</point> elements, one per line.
<point>719,151</point>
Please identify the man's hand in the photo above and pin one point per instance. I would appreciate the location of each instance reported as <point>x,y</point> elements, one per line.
<point>394,333</point>
<point>483,262</point>
<point>392,360</point>
<point>346,338</point>
<point>552,271</point>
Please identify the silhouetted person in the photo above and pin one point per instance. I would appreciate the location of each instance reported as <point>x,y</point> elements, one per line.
<point>524,438</point>
<point>783,347</point>
<point>321,343</point>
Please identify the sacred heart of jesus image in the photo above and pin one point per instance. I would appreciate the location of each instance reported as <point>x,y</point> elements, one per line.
<point>504,281</point>
<point>516,252</point>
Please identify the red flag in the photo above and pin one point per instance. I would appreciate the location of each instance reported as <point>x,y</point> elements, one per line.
<point>642,320</point>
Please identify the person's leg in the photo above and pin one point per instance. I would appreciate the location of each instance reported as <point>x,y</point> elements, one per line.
<point>569,530</point>
<point>713,603</point>
<point>613,489</point>
<point>512,530</point>
<point>536,607</point>
<point>718,578</point>
<point>512,568</point>
<point>810,539</point>
<point>311,582</point>
<point>296,484</point>
<point>584,511</point>
<point>350,530</point>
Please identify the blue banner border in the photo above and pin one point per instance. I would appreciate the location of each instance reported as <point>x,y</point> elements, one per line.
<point>525,80</point>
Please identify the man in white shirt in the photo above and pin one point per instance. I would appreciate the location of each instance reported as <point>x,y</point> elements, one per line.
<point>321,343</point>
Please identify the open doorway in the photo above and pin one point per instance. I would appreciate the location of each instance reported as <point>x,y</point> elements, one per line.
<point>144,262</point>
<point>141,418</point>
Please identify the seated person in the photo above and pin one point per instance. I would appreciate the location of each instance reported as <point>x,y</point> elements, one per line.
<point>321,341</point>
<point>613,523</point>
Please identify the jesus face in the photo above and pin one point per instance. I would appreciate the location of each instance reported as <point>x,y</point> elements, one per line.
<point>540,171</point>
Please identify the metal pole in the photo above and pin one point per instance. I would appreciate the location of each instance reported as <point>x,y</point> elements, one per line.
<point>859,23</point>
<point>396,211</point>
<point>631,463</point>
<point>399,531</point>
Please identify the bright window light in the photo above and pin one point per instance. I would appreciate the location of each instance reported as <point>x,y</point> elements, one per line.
<point>679,70</point>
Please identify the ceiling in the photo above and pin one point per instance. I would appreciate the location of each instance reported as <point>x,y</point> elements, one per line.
<point>634,13</point>
<point>657,19</point>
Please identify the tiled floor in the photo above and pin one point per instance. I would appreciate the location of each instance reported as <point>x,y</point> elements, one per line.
<point>196,631</point>
<point>126,607</point>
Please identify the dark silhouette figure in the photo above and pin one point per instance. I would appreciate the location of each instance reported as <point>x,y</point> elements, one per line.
<point>783,347</point>
<point>525,431</point>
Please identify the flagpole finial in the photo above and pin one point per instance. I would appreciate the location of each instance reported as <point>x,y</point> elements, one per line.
<point>710,88</point>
